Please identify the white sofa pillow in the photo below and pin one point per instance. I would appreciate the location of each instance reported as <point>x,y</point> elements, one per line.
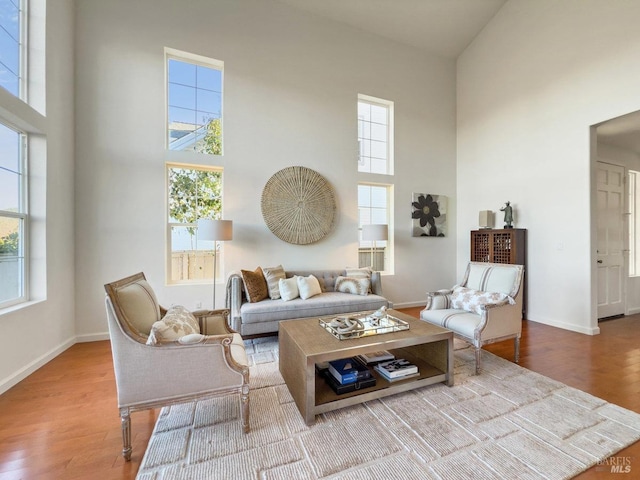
<point>308,286</point>
<point>177,322</point>
<point>288,288</point>
<point>475,301</point>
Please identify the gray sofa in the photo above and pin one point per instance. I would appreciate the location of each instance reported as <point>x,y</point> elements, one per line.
<point>263,317</point>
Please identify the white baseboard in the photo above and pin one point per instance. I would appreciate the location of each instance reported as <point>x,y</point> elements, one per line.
<point>10,381</point>
<point>94,337</point>
<point>24,372</point>
<point>409,304</point>
<point>633,311</point>
<point>567,326</point>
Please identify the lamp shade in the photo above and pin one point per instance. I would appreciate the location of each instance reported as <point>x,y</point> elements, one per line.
<point>375,232</point>
<point>217,230</point>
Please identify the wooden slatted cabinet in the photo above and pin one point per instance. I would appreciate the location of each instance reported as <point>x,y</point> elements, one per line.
<point>507,245</point>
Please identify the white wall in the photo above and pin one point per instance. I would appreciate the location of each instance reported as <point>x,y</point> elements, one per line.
<point>291,85</point>
<point>32,334</point>
<point>529,87</point>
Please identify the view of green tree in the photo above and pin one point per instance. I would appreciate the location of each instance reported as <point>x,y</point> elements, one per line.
<point>9,244</point>
<point>212,142</point>
<point>194,194</point>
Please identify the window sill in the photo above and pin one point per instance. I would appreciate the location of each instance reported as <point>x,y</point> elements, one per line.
<point>18,306</point>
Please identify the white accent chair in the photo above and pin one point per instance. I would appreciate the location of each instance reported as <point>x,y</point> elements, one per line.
<point>485,307</point>
<point>193,367</point>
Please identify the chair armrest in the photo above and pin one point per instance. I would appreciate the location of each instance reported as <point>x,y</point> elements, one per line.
<point>439,299</point>
<point>234,298</point>
<point>234,352</point>
<point>213,322</point>
<point>376,283</point>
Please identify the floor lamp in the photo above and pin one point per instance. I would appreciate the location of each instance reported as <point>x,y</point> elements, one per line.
<point>218,231</point>
<point>373,233</point>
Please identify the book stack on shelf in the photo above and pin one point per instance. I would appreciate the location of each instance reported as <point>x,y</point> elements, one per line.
<point>398,369</point>
<point>347,375</point>
<point>374,358</point>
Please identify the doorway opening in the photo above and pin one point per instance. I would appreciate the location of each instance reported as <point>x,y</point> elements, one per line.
<point>616,199</point>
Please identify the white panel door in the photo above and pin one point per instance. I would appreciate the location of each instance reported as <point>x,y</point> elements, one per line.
<point>610,255</point>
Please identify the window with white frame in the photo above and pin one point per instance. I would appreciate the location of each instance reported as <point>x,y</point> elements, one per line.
<point>634,223</point>
<point>12,46</point>
<point>375,200</point>
<point>14,220</point>
<point>375,135</point>
<point>13,216</point>
<point>194,193</point>
<point>374,208</point>
<point>194,102</point>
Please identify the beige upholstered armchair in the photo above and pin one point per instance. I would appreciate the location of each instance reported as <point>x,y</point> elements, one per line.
<point>485,307</point>
<point>152,370</point>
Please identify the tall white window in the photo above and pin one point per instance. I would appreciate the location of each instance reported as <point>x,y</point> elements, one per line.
<point>375,200</point>
<point>14,219</point>
<point>194,102</point>
<point>375,135</point>
<point>12,46</point>
<point>634,223</point>
<point>375,207</point>
<point>194,193</point>
<point>13,216</point>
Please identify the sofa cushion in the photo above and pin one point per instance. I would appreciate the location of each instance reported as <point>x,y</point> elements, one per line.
<point>460,321</point>
<point>475,301</point>
<point>308,286</point>
<point>327,303</point>
<point>177,322</point>
<point>356,286</point>
<point>272,275</point>
<point>139,305</point>
<point>288,288</point>
<point>255,285</point>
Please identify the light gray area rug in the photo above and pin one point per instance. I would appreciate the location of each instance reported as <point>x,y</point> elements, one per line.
<point>507,422</point>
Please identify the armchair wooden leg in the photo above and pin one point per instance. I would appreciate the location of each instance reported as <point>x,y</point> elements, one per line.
<point>244,402</point>
<point>517,349</point>
<point>125,422</point>
<point>478,353</point>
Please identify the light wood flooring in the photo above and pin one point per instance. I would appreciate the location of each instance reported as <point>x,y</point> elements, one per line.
<point>62,422</point>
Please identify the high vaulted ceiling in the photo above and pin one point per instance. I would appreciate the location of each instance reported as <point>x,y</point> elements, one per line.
<point>444,28</point>
<point>441,27</point>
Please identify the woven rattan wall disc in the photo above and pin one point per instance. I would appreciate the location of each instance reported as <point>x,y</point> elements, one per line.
<point>298,205</point>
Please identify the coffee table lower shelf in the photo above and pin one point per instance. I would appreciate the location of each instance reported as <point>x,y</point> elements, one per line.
<point>327,400</point>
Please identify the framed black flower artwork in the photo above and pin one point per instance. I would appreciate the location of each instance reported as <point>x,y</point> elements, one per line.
<point>429,215</point>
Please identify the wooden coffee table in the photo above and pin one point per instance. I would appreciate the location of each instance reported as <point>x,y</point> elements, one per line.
<point>304,343</point>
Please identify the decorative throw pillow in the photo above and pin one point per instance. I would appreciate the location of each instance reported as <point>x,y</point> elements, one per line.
<point>255,286</point>
<point>272,275</point>
<point>364,272</point>
<point>358,272</point>
<point>308,286</point>
<point>474,300</point>
<point>288,288</point>
<point>357,286</point>
<point>177,322</point>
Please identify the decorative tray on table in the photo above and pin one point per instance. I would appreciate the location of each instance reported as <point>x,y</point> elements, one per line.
<point>357,325</point>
